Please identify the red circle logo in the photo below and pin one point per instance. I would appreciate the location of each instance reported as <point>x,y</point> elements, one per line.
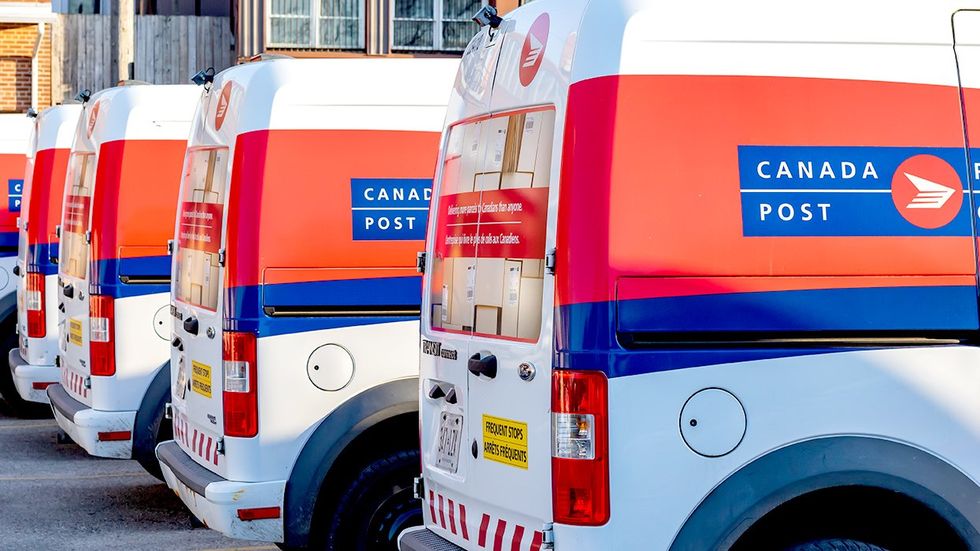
<point>927,191</point>
<point>224,99</point>
<point>532,54</point>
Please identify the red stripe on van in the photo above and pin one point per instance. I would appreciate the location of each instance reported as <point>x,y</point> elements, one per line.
<point>536,541</point>
<point>515,544</point>
<point>462,522</point>
<point>207,453</point>
<point>452,517</point>
<point>432,505</point>
<point>484,525</point>
<point>200,444</point>
<point>498,537</point>
<point>442,514</point>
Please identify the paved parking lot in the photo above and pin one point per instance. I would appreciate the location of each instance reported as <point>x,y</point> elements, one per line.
<point>54,496</point>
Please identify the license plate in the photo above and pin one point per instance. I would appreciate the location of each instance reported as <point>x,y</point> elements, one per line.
<point>450,432</point>
<point>75,331</point>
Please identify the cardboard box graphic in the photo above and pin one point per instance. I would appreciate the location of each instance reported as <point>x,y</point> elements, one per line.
<point>545,145</point>
<point>496,141</point>
<point>471,158</point>
<point>489,181</point>
<point>462,293</point>
<point>529,317</point>
<point>515,180</point>
<point>532,267</point>
<point>530,135</point>
<point>490,282</point>
<point>442,284</point>
<point>487,320</point>
<point>512,298</point>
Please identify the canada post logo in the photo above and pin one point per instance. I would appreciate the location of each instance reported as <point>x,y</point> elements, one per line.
<point>15,192</point>
<point>390,209</point>
<point>532,53</point>
<point>853,191</point>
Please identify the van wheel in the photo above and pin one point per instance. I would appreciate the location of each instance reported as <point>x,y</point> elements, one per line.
<point>17,405</point>
<point>377,505</point>
<point>836,545</point>
<point>150,428</point>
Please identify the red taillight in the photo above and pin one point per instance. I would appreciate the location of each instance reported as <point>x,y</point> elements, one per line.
<point>259,513</point>
<point>34,304</point>
<point>115,436</point>
<point>579,447</point>
<point>241,407</point>
<point>101,328</point>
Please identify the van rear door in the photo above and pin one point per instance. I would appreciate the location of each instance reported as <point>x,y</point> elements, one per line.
<point>197,374</point>
<point>74,272</point>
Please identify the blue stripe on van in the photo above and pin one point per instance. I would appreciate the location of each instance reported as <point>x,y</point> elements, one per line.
<point>109,272</point>
<point>39,258</point>
<point>245,306</point>
<point>588,335</point>
<point>8,243</point>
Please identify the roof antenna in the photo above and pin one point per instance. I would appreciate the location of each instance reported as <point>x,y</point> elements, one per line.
<point>83,96</point>
<point>488,16</point>
<point>204,77</point>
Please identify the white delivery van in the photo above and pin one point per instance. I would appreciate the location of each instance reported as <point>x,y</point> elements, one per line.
<point>295,300</point>
<point>703,276</point>
<point>32,363</point>
<point>114,272</point>
<point>15,145</point>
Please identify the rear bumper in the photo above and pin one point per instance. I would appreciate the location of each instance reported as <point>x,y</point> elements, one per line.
<point>27,377</point>
<point>216,501</point>
<point>423,539</point>
<point>84,424</point>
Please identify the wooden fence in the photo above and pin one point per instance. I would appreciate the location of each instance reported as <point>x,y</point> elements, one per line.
<point>169,49</point>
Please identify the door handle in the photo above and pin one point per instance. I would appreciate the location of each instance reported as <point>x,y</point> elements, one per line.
<point>190,325</point>
<point>69,291</point>
<point>486,365</point>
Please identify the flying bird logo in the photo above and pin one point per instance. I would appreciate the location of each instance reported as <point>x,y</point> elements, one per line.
<point>930,194</point>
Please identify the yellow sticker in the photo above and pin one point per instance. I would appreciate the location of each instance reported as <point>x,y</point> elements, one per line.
<point>505,441</point>
<point>75,331</point>
<point>201,379</point>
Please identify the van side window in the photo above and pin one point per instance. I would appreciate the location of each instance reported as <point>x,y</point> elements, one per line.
<point>202,195</point>
<point>488,261</point>
<point>78,202</point>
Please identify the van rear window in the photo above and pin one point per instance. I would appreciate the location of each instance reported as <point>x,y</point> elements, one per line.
<point>199,222</point>
<point>75,216</point>
<point>488,261</point>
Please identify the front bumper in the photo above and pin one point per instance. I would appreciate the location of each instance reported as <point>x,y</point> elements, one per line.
<point>85,424</point>
<point>31,380</point>
<point>216,501</point>
<point>423,539</point>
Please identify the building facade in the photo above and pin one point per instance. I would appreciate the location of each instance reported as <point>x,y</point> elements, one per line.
<point>25,55</point>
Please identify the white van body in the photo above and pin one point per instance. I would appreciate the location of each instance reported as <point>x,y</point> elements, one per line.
<point>130,136</point>
<point>284,164</point>
<point>769,325</point>
<point>33,362</point>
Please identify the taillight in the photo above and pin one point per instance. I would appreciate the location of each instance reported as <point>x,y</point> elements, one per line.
<point>34,303</point>
<point>241,407</point>
<point>579,447</point>
<point>101,328</point>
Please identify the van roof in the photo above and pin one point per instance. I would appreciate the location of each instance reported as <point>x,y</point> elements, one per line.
<point>299,94</point>
<point>136,112</point>
<point>55,127</point>
<point>15,130</point>
<point>664,37</point>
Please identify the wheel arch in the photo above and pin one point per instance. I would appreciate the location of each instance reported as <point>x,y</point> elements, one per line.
<point>760,487</point>
<point>344,426</point>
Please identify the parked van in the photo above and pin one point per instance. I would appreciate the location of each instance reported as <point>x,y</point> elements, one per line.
<point>114,272</point>
<point>296,299</point>
<point>32,363</point>
<point>703,276</point>
<point>15,143</point>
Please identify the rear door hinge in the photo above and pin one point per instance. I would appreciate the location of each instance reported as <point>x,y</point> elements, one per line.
<point>221,257</point>
<point>57,231</point>
<point>220,446</point>
<point>549,261</point>
<point>548,537</point>
<point>420,262</point>
<point>88,237</point>
<point>87,383</point>
<point>170,247</point>
<point>418,487</point>
<point>168,411</point>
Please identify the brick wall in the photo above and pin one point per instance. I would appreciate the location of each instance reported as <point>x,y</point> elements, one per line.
<point>16,47</point>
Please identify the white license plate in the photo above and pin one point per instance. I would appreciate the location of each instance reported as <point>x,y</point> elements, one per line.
<point>450,432</point>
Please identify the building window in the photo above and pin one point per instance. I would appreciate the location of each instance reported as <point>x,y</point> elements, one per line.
<point>326,24</point>
<point>434,25</point>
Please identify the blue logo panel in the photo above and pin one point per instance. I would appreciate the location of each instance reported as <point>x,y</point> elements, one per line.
<point>794,191</point>
<point>390,209</point>
<point>15,192</point>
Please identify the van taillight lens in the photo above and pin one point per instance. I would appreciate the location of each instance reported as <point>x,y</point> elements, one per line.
<point>101,328</point>
<point>34,303</point>
<point>579,447</point>
<point>241,404</point>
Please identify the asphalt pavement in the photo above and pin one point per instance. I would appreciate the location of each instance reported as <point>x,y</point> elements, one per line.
<point>54,496</point>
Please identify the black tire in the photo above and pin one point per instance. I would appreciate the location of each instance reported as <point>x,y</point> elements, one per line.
<point>16,405</point>
<point>150,427</point>
<point>836,545</point>
<point>376,506</point>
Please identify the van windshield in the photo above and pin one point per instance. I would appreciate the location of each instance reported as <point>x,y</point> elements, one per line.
<point>488,265</point>
<point>75,216</point>
<point>199,223</point>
